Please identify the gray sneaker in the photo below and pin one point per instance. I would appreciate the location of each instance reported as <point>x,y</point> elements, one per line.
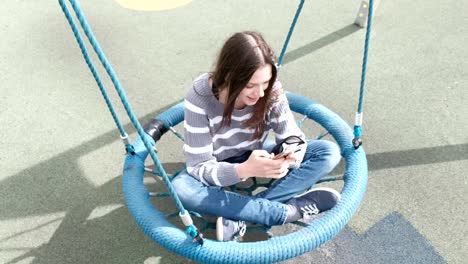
<point>315,201</point>
<point>227,230</point>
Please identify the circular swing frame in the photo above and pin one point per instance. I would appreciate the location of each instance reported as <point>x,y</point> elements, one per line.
<point>155,224</point>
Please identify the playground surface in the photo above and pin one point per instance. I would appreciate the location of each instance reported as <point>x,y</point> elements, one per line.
<point>60,180</point>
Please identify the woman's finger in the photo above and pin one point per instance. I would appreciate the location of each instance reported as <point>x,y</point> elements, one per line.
<point>261,153</point>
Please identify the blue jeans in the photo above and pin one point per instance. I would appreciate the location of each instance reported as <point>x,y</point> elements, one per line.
<point>267,207</point>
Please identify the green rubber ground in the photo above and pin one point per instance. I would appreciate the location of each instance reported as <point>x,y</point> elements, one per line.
<point>61,159</point>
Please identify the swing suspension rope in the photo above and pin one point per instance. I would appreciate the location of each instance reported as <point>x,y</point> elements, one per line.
<point>357,141</point>
<point>288,37</point>
<point>185,216</point>
<point>123,135</point>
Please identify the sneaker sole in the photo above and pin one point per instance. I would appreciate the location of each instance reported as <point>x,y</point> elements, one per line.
<point>219,229</point>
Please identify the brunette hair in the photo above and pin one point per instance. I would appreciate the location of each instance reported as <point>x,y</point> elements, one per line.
<point>243,54</point>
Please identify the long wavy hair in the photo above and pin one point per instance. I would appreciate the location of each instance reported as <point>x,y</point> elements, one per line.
<point>243,54</point>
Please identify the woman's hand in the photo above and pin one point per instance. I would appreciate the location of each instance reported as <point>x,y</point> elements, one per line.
<point>291,158</point>
<point>260,164</point>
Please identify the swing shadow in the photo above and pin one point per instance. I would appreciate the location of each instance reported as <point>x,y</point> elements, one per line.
<point>320,43</point>
<point>55,195</point>
<point>422,156</point>
<point>393,239</point>
<point>113,238</point>
<point>411,157</point>
<point>57,185</point>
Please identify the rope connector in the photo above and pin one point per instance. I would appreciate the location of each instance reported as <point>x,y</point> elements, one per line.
<point>199,238</point>
<point>191,229</point>
<point>128,147</point>
<point>357,142</point>
<point>195,234</point>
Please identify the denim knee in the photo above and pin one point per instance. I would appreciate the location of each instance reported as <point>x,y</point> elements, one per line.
<point>326,150</point>
<point>186,188</point>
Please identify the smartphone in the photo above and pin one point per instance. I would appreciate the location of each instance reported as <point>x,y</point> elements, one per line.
<point>286,152</point>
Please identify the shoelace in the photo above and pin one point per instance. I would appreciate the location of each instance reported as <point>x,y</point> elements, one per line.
<point>310,209</point>
<point>242,228</point>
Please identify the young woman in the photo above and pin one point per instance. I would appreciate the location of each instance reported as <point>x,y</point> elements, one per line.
<point>228,114</point>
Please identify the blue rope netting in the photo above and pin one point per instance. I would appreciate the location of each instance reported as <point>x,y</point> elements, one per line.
<point>156,225</point>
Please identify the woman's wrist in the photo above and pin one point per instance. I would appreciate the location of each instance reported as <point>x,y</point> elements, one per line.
<point>241,171</point>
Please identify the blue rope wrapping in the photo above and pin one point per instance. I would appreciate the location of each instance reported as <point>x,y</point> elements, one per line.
<point>357,131</point>
<point>357,128</point>
<point>156,225</point>
<point>147,142</point>
<point>288,37</point>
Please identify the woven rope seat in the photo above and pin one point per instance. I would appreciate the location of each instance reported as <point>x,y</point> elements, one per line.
<point>156,225</point>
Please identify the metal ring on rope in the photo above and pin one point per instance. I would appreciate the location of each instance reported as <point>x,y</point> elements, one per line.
<point>157,227</point>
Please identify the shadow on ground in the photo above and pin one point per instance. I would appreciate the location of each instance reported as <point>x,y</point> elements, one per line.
<point>320,43</point>
<point>392,240</point>
<point>57,185</point>
<point>57,191</point>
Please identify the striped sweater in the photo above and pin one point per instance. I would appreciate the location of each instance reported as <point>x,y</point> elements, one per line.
<point>206,145</point>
